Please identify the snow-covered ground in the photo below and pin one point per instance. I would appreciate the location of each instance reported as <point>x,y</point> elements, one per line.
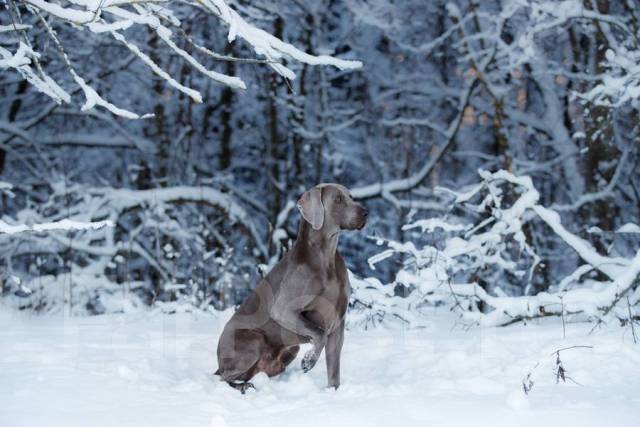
<point>154,369</point>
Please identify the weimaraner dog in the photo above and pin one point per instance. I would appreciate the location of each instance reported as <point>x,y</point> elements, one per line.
<point>302,299</point>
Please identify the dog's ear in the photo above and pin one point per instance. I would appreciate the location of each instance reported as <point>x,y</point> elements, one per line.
<point>311,207</point>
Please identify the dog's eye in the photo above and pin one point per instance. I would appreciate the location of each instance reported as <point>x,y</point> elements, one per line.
<point>338,198</point>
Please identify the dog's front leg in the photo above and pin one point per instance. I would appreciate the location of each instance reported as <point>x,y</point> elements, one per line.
<point>292,319</point>
<point>311,357</point>
<point>332,352</point>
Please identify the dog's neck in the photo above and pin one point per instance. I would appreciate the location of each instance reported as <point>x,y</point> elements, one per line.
<point>321,245</point>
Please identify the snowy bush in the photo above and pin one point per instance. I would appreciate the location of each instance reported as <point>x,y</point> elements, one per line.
<point>112,244</point>
<point>118,248</point>
<point>475,267</point>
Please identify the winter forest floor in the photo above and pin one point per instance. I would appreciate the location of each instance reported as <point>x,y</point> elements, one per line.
<point>154,369</point>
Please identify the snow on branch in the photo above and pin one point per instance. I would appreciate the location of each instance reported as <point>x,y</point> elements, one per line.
<point>62,225</point>
<point>271,47</point>
<point>112,17</point>
<point>5,188</point>
<point>22,61</point>
<point>622,84</point>
<point>608,265</point>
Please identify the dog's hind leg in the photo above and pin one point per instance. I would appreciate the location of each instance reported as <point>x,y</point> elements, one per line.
<point>238,355</point>
<point>275,361</point>
<point>289,354</point>
<point>240,381</point>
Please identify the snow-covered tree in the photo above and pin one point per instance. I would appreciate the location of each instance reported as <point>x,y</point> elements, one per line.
<point>537,88</point>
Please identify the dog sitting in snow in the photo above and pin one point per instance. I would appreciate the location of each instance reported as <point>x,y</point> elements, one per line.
<point>303,299</point>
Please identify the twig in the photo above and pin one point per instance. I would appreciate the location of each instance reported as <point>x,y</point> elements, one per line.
<point>564,331</point>
<point>597,325</point>
<point>569,348</point>
<point>527,382</point>
<point>633,330</point>
<point>560,372</point>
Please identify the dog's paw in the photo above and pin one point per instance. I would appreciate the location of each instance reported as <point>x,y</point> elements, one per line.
<point>242,387</point>
<point>245,386</point>
<point>309,361</point>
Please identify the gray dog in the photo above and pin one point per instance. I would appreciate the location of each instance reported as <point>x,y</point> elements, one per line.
<point>303,299</point>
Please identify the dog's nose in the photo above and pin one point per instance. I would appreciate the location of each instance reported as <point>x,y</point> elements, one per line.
<point>365,212</point>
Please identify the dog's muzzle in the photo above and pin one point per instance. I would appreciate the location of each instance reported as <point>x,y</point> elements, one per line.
<point>364,214</point>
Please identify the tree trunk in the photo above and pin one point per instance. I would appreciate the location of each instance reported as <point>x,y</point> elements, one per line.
<point>298,116</point>
<point>160,135</point>
<point>13,113</point>
<point>226,101</point>
<point>273,141</point>
<point>599,134</point>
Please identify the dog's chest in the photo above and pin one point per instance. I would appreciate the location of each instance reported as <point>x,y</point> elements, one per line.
<point>328,307</point>
<point>331,290</point>
<point>335,292</point>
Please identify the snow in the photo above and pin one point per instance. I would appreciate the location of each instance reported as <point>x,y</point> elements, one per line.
<point>586,299</point>
<point>5,187</point>
<point>19,59</point>
<point>234,82</point>
<point>151,368</point>
<point>630,228</point>
<point>73,15</point>
<point>143,17</point>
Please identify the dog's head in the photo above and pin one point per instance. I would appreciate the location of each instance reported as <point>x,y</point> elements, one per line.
<point>330,207</point>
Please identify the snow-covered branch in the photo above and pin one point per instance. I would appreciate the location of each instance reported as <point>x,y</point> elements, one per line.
<point>112,17</point>
<point>62,225</point>
<point>622,84</point>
